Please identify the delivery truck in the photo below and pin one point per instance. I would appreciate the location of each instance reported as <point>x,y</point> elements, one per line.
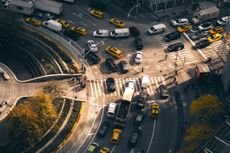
<point>52,25</point>
<point>205,14</point>
<point>49,6</point>
<point>124,106</point>
<point>119,33</point>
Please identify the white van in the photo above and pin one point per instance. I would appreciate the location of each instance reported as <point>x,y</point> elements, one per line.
<point>158,28</point>
<point>52,25</point>
<point>101,33</point>
<point>111,110</point>
<point>145,81</point>
<point>119,33</point>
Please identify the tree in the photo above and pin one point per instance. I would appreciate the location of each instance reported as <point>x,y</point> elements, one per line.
<point>195,135</point>
<point>29,121</point>
<point>53,89</point>
<point>206,107</point>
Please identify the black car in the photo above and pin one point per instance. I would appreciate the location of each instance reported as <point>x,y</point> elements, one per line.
<point>141,101</point>
<point>139,118</point>
<point>111,64</point>
<point>123,66</point>
<point>163,91</point>
<point>175,47</point>
<point>92,57</point>
<point>172,36</point>
<point>71,34</point>
<point>138,43</point>
<point>110,83</point>
<point>134,31</point>
<point>134,138</point>
<point>202,44</point>
<point>103,129</point>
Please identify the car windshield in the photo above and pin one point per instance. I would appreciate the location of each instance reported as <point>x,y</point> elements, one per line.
<point>153,29</point>
<point>98,32</point>
<point>178,21</point>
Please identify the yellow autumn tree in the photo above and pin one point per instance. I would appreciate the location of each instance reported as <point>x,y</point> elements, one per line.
<point>28,121</point>
<point>206,107</point>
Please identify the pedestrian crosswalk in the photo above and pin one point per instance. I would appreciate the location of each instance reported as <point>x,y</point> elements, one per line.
<point>181,57</point>
<point>98,88</point>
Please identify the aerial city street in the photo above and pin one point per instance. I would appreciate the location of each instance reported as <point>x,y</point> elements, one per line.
<point>115,76</point>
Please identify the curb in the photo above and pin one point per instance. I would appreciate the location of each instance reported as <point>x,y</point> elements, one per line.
<point>71,131</point>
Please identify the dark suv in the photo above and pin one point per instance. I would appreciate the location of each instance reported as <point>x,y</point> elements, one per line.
<point>124,67</point>
<point>175,47</point>
<point>110,83</point>
<point>111,64</point>
<point>92,57</point>
<point>71,34</point>
<point>172,36</point>
<point>142,100</point>
<point>138,43</point>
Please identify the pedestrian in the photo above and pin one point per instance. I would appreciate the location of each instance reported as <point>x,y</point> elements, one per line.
<point>142,69</point>
<point>166,55</point>
<point>82,85</point>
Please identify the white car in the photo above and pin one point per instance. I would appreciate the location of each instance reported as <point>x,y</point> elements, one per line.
<point>179,22</point>
<point>139,57</point>
<point>145,81</point>
<point>92,46</point>
<point>6,76</point>
<point>101,33</point>
<point>131,84</point>
<point>223,20</point>
<point>205,26</point>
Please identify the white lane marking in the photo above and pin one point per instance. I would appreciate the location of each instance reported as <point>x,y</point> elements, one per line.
<point>92,22</point>
<point>98,125</point>
<point>113,148</point>
<point>83,142</point>
<point>122,92</point>
<point>132,150</point>
<point>83,24</point>
<point>201,53</point>
<point>150,143</point>
<point>117,90</point>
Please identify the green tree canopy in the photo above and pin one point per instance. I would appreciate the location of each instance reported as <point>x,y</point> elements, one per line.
<point>206,107</point>
<point>29,121</point>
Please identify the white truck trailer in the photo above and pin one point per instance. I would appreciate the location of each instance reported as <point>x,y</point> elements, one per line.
<point>52,25</point>
<point>119,33</point>
<point>206,14</point>
<point>49,6</point>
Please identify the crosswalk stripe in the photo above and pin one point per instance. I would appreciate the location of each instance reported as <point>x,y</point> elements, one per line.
<point>95,89</point>
<point>150,87</point>
<point>91,87</point>
<point>163,80</point>
<point>99,89</point>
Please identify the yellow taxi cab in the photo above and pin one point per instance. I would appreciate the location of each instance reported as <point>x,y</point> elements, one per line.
<point>80,30</point>
<point>33,21</point>
<point>115,135</point>
<point>215,37</point>
<point>113,51</point>
<point>215,30</point>
<point>117,23</point>
<point>64,23</point>
<point>97,14</point>
<point>184,28</point>
<point>154,110</point>
<point>104,150</point>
